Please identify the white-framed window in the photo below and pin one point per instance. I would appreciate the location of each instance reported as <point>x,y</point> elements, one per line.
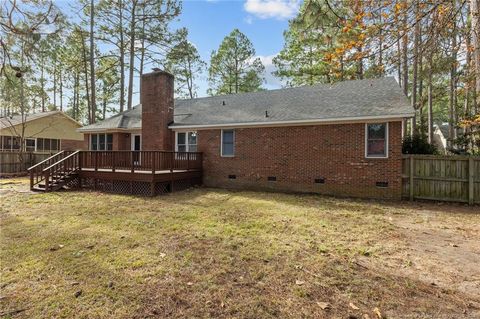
<point>30,145</point>
<point>186,141</point>
<point>48,144</point>
<point>227,143</point>
<point>101,142</point>
<point>376,140</point>
<point>39,144</point>
<point>10,143</point>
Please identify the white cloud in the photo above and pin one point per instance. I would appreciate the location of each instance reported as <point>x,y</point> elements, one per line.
<point>279,9</point>
<point>272,82</point>
<point>248,19</point>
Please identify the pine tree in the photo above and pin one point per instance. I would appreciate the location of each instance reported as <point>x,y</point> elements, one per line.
<point>234,67</point>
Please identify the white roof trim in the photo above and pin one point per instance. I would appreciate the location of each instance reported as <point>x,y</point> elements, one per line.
<point>112,130</point>
<point>398,117</point>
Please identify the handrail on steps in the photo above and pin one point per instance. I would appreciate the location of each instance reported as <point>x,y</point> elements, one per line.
<point>36,175</point>
<point>45,160</point>
<point>60,161</point>
<point>51,170</point>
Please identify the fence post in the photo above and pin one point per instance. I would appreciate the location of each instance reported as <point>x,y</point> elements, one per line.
<point>470,180</point>
<point>411,195</point>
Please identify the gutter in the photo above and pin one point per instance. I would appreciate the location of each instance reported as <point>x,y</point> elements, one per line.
<point>396,117</point>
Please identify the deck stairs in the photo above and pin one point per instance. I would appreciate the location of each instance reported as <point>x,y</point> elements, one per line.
<point>58,182</point>
<point>55,173</point>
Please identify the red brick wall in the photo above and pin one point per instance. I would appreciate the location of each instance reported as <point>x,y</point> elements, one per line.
<point>73,145</point>
<point>156,97</point>
<point>121,142</point>
<point>298,155</point>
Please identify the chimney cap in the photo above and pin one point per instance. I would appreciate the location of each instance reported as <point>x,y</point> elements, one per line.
<point>157,71</point>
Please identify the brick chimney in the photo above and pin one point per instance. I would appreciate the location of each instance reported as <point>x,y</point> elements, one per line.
<point>156,97</point>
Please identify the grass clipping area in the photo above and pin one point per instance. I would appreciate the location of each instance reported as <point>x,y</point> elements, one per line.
<point>205,253</point>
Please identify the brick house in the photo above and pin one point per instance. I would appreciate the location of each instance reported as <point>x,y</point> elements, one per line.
<point>342,139</point>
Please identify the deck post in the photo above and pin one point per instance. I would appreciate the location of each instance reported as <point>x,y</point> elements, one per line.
<point>31,179</point>
<point>152,188</point>
<point>470,180</point>
<point>411,195</point>
<point>153,158</point>
<point>132,161</point>
<point>47,177</point>
<point>188,161</point>
<point>113,162</point>
<point>171,170</point>
<point>96,161</point>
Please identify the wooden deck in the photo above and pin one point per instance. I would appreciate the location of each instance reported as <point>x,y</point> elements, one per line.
<point>130,172</point>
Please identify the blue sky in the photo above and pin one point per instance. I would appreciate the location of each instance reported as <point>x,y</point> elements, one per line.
<point>209,21</point>
<point>263,22</point>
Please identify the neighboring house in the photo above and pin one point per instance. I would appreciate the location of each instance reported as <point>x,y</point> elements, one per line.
<point>47,132</point>
<point>342,139</point>
<point>440,135</point>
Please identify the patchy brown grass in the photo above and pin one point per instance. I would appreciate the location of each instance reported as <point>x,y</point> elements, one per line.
<point>209,253</point>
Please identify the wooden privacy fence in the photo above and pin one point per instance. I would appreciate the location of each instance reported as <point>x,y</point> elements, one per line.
<point>445,178</point>
<point>10,161</point>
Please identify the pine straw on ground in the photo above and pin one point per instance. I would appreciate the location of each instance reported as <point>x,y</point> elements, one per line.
<point>208,253</point>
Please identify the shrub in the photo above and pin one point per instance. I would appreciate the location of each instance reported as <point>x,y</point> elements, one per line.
<point>417,144</point>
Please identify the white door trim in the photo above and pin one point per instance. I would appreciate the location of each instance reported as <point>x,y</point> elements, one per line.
<point>132,142</point>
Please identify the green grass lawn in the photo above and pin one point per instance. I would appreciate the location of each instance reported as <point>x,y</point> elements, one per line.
<point>208,253</point>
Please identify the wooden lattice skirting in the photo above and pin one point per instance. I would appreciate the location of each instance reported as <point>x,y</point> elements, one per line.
<point>138,187</point>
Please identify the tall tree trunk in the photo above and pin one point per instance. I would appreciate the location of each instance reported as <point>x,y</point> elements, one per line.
<point>380,43</point>
<point>190,78</point>
<point>92,64</point>
<point>42,83</point>
<point>342,68</point>
<point>405,58</point>
<point>85,70</point>
<point>399,62</point>
<point>360,63</point>
<point>132,55</point>
<point>416,40</point>
<point>420,83</point>
<point>453,85</point>
<point>55,85</point>
<point>430,98</point>
<point>142,52</point>
<point>75,90</point>
<point>122,57</point>
<point>358,10</point>
<point>468,84</point>
<point>405,53</point>
<point>61,88</point>
<point>104,102</point>
<point>475,16</point>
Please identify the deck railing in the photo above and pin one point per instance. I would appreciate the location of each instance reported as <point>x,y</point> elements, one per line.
<point>36,171</point>
<point>63,167</point>
<point>140,160</point>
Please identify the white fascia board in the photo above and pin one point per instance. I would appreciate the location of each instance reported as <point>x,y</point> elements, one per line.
<point>397,117</point>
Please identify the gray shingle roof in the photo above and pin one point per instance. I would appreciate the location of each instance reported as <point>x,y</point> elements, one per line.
<point>129,120</point>
<point>381,97</point>
<point>18,119</point>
